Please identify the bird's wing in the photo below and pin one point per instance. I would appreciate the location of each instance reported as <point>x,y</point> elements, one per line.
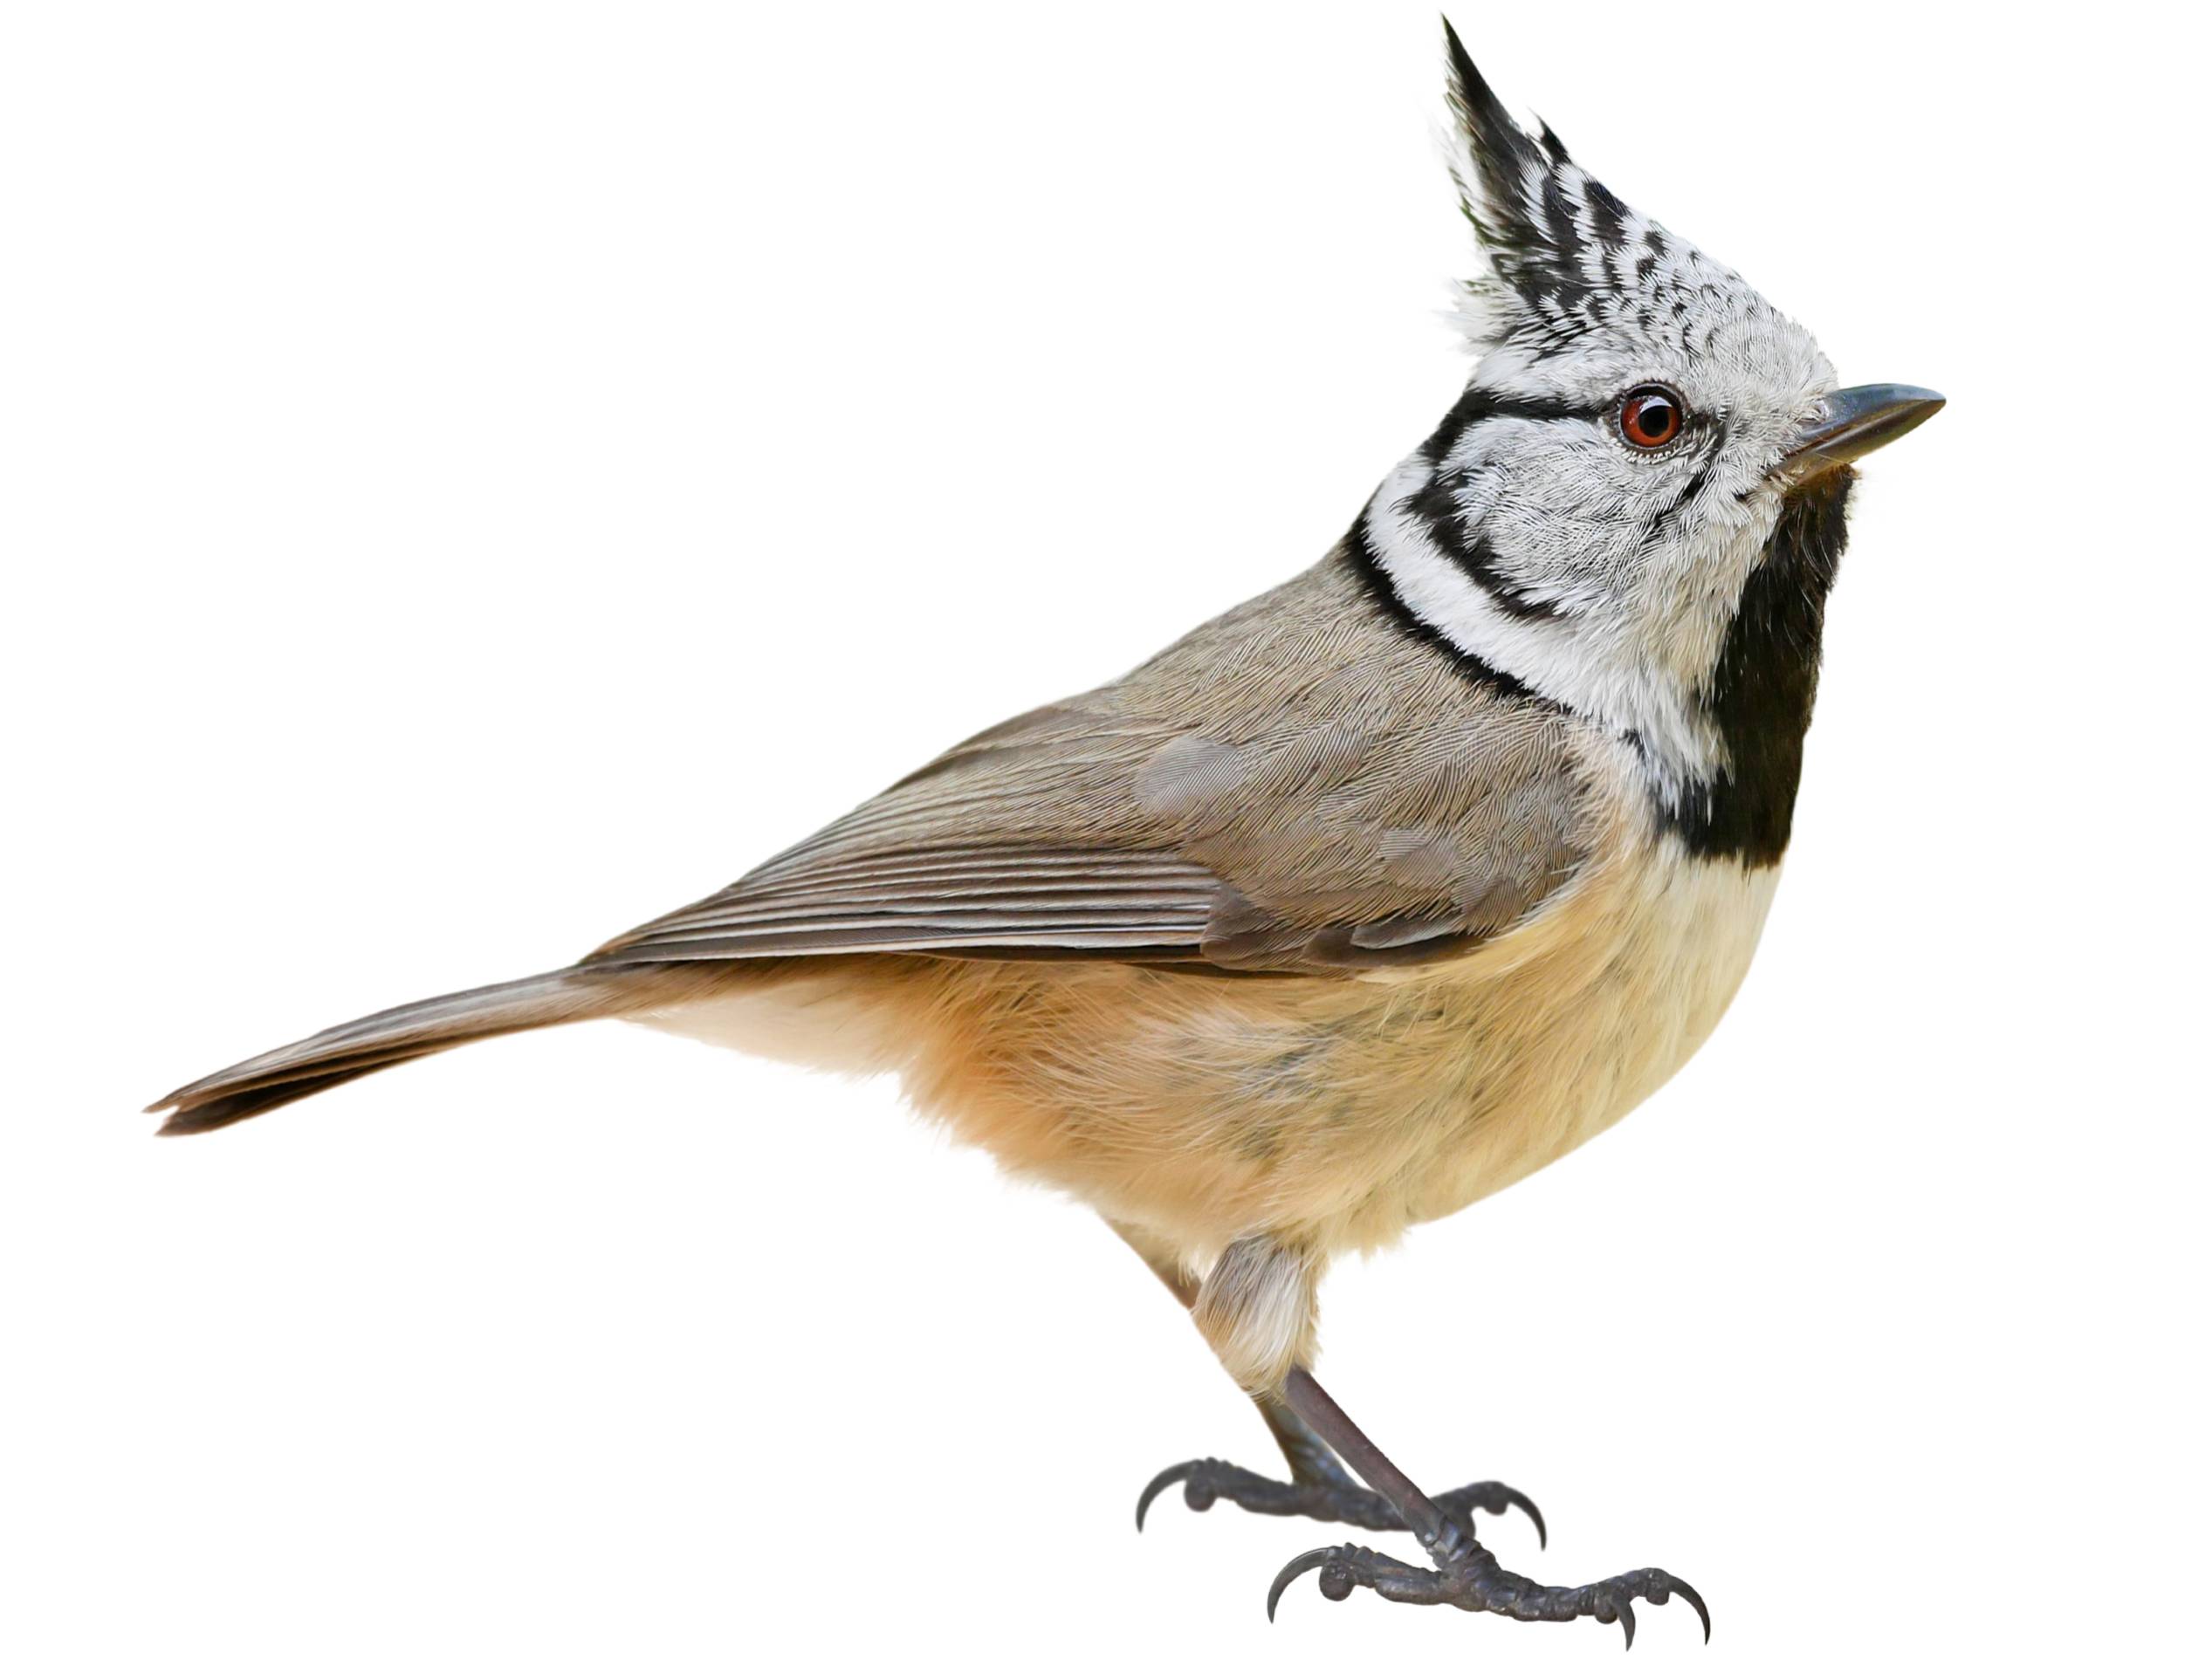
<point>1298,786</point>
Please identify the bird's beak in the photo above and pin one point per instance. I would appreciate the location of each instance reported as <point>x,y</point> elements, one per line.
<point>1857,420</point>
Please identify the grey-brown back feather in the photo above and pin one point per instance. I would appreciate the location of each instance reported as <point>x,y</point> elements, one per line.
<point>1297,786</point>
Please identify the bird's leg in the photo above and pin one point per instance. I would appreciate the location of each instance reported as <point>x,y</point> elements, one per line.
<point>1465,1574</point>
<point>1320,1488</point>
<point>1311,1461</point>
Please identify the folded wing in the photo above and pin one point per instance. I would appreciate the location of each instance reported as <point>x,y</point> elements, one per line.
<point>1296,787</point>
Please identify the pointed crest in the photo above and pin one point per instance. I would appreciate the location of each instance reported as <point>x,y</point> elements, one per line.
<point>1565,255</point>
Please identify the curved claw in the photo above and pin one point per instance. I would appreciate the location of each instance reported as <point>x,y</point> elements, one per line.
<point>1658,1594</point>
<point>1157,1484</point>
<point>1697,1601</point>
<point>1494,1497</point>
<point>1628,1626</point>
<point>1296,1566</point>
<point>1526,1506</point>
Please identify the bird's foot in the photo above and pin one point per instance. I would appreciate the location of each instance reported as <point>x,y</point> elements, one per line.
<point>1467,1575</point>
<point>1341,1498</point>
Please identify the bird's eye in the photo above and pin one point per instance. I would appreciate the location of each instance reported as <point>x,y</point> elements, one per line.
<point>1651,417</point>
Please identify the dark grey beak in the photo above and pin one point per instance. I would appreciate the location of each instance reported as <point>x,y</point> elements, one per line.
<point>1858,419</point>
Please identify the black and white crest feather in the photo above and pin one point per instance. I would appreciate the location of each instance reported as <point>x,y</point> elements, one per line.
<point>1566,257</point>
<point>1527,536</point>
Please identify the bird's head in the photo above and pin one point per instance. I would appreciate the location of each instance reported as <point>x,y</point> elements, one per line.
<point>1636,508</point>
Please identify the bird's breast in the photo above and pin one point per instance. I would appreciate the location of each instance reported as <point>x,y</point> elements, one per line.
<point>1208,1107</point>
<point>1608,997</point>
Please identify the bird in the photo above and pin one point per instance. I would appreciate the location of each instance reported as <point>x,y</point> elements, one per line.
<point>1365,899</point>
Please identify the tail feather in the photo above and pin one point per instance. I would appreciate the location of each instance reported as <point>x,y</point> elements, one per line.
<point>397,1035</point>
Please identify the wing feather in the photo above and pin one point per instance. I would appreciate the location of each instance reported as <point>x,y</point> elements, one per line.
<point>1297,786</point>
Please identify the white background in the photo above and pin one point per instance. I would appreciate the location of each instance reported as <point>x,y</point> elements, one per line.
<point>478,476</point>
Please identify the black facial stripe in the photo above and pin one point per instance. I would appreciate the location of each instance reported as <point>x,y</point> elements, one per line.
<point>1761,698</point>
<point>1480,403</point>
<point>1479,560</point>
<point>1436,506</point>
<point>1360,547</point>
<point>1665,517</point>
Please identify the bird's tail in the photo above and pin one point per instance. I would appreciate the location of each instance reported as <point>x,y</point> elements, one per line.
<point>346,1051</point>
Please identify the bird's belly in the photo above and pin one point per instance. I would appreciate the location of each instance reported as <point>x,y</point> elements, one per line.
<point>1565,1045</point>
<point>1208,1107</point>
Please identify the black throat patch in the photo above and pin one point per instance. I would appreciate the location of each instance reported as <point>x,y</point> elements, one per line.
<point>1760,698</point>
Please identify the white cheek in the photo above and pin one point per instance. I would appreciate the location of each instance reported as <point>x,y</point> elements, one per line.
<point>1599,663</point>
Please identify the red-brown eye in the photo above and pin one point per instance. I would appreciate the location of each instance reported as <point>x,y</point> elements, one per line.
<point>1651,417</point>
